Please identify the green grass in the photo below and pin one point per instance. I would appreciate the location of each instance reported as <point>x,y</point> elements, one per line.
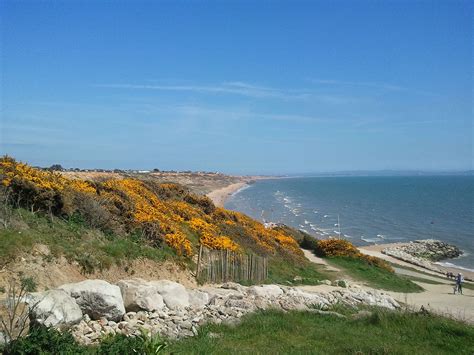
<point>283,272</point>
<point>468,286</point>
<point>91,248</point>
<point>275,332</point>
<point>418,271</point>
<point>426,281</point>
<point>383,332</point>
<point>374,276</point>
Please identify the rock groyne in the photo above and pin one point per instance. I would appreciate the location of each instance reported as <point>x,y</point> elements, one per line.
<point>424,252</point>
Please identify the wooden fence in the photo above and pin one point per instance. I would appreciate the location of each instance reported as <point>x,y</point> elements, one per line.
<point>216,266</point>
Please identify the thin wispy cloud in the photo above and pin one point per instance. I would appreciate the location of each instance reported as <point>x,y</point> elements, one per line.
<point>235,88</point>
<point>375,85</point>
<point>225,113</point>
<point>239,88</point>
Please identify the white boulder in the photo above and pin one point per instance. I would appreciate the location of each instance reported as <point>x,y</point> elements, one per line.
<point>265,291</point>
<point>54,308</point>
<point>198,298</point>
<point>139,295</point>
<point>97,298</point>
<point>174,294</point>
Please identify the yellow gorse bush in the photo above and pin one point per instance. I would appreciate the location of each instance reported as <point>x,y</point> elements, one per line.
<point>337,247</point>
<point>209,235</point>
<point>344,248</point>
<point>48,180</point>
<point>179,242</point>
<point>163,212</point>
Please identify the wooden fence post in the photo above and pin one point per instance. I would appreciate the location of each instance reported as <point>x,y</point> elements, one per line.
<point>198,271</point>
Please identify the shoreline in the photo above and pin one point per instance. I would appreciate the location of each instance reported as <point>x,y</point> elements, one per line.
<point>221,195</point>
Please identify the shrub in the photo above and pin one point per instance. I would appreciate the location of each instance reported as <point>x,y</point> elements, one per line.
<point>44,340</point>
<point>335,247</point>
<point>88,263</point>
<point>14,311</point>
<point>308,242</point>
<point>120,344</point>
<point>342,248</point>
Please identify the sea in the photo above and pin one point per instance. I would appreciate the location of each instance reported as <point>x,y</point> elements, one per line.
<point>369,209</point>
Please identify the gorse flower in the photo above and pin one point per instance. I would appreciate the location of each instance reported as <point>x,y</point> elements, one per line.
<point>165,212</point>
<point>340,247</point>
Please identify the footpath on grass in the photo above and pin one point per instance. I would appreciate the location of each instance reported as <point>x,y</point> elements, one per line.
<point>437,295</point>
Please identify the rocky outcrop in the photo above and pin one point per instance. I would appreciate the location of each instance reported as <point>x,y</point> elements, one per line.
<point>97,298</point>
<point>54,308</point>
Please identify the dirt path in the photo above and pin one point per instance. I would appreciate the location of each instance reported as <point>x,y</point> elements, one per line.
<point>314,259</point>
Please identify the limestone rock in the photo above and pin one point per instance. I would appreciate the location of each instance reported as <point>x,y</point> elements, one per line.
<point>423,252</point>
<point>265,291</point>
<point>139,294</point>
<point>198,298</point>
<point>54,308</point>
<point>174,294</point>
<point>97,298</point>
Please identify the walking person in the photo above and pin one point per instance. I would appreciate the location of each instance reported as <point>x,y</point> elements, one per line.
<point>459,281</point>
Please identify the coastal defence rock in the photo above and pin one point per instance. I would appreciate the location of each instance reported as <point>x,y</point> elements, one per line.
<point>174,294</point>
<point>54,308</point>
<point>97,298</point>
<point>428,249</point>
<point>265,291</point>
<point>184,311</point>
<point>424,252</point>
<point>198,298</point>
<point>139,295</point>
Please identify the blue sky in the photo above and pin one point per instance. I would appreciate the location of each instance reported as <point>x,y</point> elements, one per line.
<point>238,86</point>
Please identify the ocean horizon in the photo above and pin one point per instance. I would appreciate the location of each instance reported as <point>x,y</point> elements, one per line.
<point>369,210</point>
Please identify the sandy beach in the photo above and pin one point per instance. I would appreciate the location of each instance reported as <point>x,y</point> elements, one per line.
<point>219,196</point>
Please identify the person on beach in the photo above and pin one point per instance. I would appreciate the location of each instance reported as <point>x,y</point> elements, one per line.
<point>459,280</point>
